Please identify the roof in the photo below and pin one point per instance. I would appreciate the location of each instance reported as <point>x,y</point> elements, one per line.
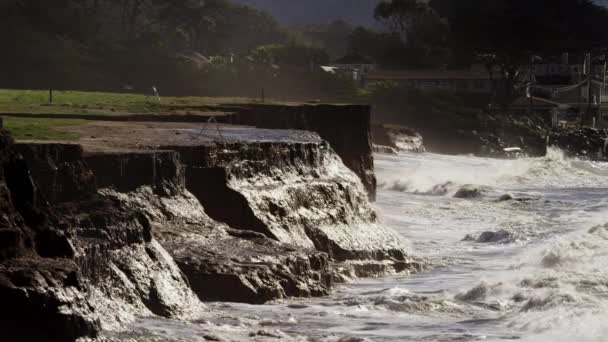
<point>354,58</point>
<point>329,69</point>
<point>524,101</point>
<point>433,74</point>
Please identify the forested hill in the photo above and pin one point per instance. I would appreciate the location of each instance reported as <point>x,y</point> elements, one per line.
<point>300,12</point>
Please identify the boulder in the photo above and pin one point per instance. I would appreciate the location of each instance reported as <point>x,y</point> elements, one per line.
<point>468,192</point>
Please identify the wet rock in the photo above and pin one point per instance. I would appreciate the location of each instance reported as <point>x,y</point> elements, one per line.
<point>398,138</point>
<point>468,192</point>
<point>297,193</point>
<point>489,237</point>
<point>385,149</point>
<point>345,127</point>
<point>225,264</point>
<point>475,294</point>
<point>501,236</point>
<point>505,198</point>
<point>43,296</point>
<point>128,171</point>
<point>125,272</point>
<point>581,142</point>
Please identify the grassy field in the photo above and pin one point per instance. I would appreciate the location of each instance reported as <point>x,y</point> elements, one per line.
<point>40,129</point>
<point>97,103</point>
<point>76,102</point>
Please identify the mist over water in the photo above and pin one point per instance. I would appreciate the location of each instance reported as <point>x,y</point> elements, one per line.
<point>530,266</point>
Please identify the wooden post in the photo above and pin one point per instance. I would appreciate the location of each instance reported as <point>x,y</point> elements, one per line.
<point>50,95</point>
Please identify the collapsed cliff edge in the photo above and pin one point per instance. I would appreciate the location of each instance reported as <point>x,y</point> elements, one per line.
<point>152,219</point>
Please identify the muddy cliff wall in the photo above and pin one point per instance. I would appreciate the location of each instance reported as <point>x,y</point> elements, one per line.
<point>111,270</point>
<point>345,127</point>
<point>96,239</point>
<point>43,295</point>
<point>297,192</point>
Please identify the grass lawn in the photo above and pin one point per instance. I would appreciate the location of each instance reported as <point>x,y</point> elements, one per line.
<point>40,129</point>
<point>77,102</point>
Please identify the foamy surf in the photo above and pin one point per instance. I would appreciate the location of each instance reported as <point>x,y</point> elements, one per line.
<point>529,266</point>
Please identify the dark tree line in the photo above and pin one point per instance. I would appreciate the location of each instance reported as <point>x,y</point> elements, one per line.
<point>108,44</point>
<point>510,30</point>
<point>135,44</point>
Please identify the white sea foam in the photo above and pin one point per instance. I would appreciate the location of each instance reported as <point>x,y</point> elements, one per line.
<point>540,273</point>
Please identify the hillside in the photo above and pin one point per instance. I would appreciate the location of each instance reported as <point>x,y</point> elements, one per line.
<point>292,12</point>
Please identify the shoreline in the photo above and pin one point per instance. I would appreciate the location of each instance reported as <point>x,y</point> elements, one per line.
<point>156,218</point>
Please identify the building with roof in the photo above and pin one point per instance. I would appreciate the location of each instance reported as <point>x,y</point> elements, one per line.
<point>353,65</point>
<point>469,80</point>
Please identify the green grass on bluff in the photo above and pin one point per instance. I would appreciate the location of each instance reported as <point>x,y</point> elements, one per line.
<point>97,103</point>
<point>40,129</point>
<point>77,102</point>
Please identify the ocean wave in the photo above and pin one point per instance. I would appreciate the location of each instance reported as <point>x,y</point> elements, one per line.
<point>444,175</point>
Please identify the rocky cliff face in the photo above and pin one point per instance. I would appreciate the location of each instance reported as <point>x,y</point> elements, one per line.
<point>295,192</point>
<point>91,240</point>
<point>43,295</point>
<point>396,137</point>
<point>93,264</point>
<point>223,264</point>
<point>345,127</point>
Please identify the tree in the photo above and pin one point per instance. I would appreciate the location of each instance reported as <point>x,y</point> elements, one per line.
<point>505,34</point>
<point>416,22</point>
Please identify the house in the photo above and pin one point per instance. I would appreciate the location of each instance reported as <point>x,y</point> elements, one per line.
<point>355,61</point>
<point>468,80</point>
<point>568,70</point>
<point>353,65</point>
<point>552,111</point>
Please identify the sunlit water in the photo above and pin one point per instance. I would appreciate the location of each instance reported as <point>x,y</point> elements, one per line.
<point>542,277</point>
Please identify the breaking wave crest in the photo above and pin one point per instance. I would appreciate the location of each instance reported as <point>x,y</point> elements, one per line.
<point>555,168</point>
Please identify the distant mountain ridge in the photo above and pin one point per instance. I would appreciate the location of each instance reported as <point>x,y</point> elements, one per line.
<point>306,12</point>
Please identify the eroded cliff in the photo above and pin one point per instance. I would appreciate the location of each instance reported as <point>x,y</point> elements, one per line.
<point>101,233</point>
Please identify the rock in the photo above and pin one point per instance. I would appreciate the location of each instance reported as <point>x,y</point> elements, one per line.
<point>501,235</point>
<point>505,198</point>
<point>345,127</point>
<point>43,296</point>
<point>385,149</point>
<point>468,192</point>
<point>224,264</point>
<point>397,137</point>
<point>581,142</point>
<point>126,272</point>
<point>283,190</point>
